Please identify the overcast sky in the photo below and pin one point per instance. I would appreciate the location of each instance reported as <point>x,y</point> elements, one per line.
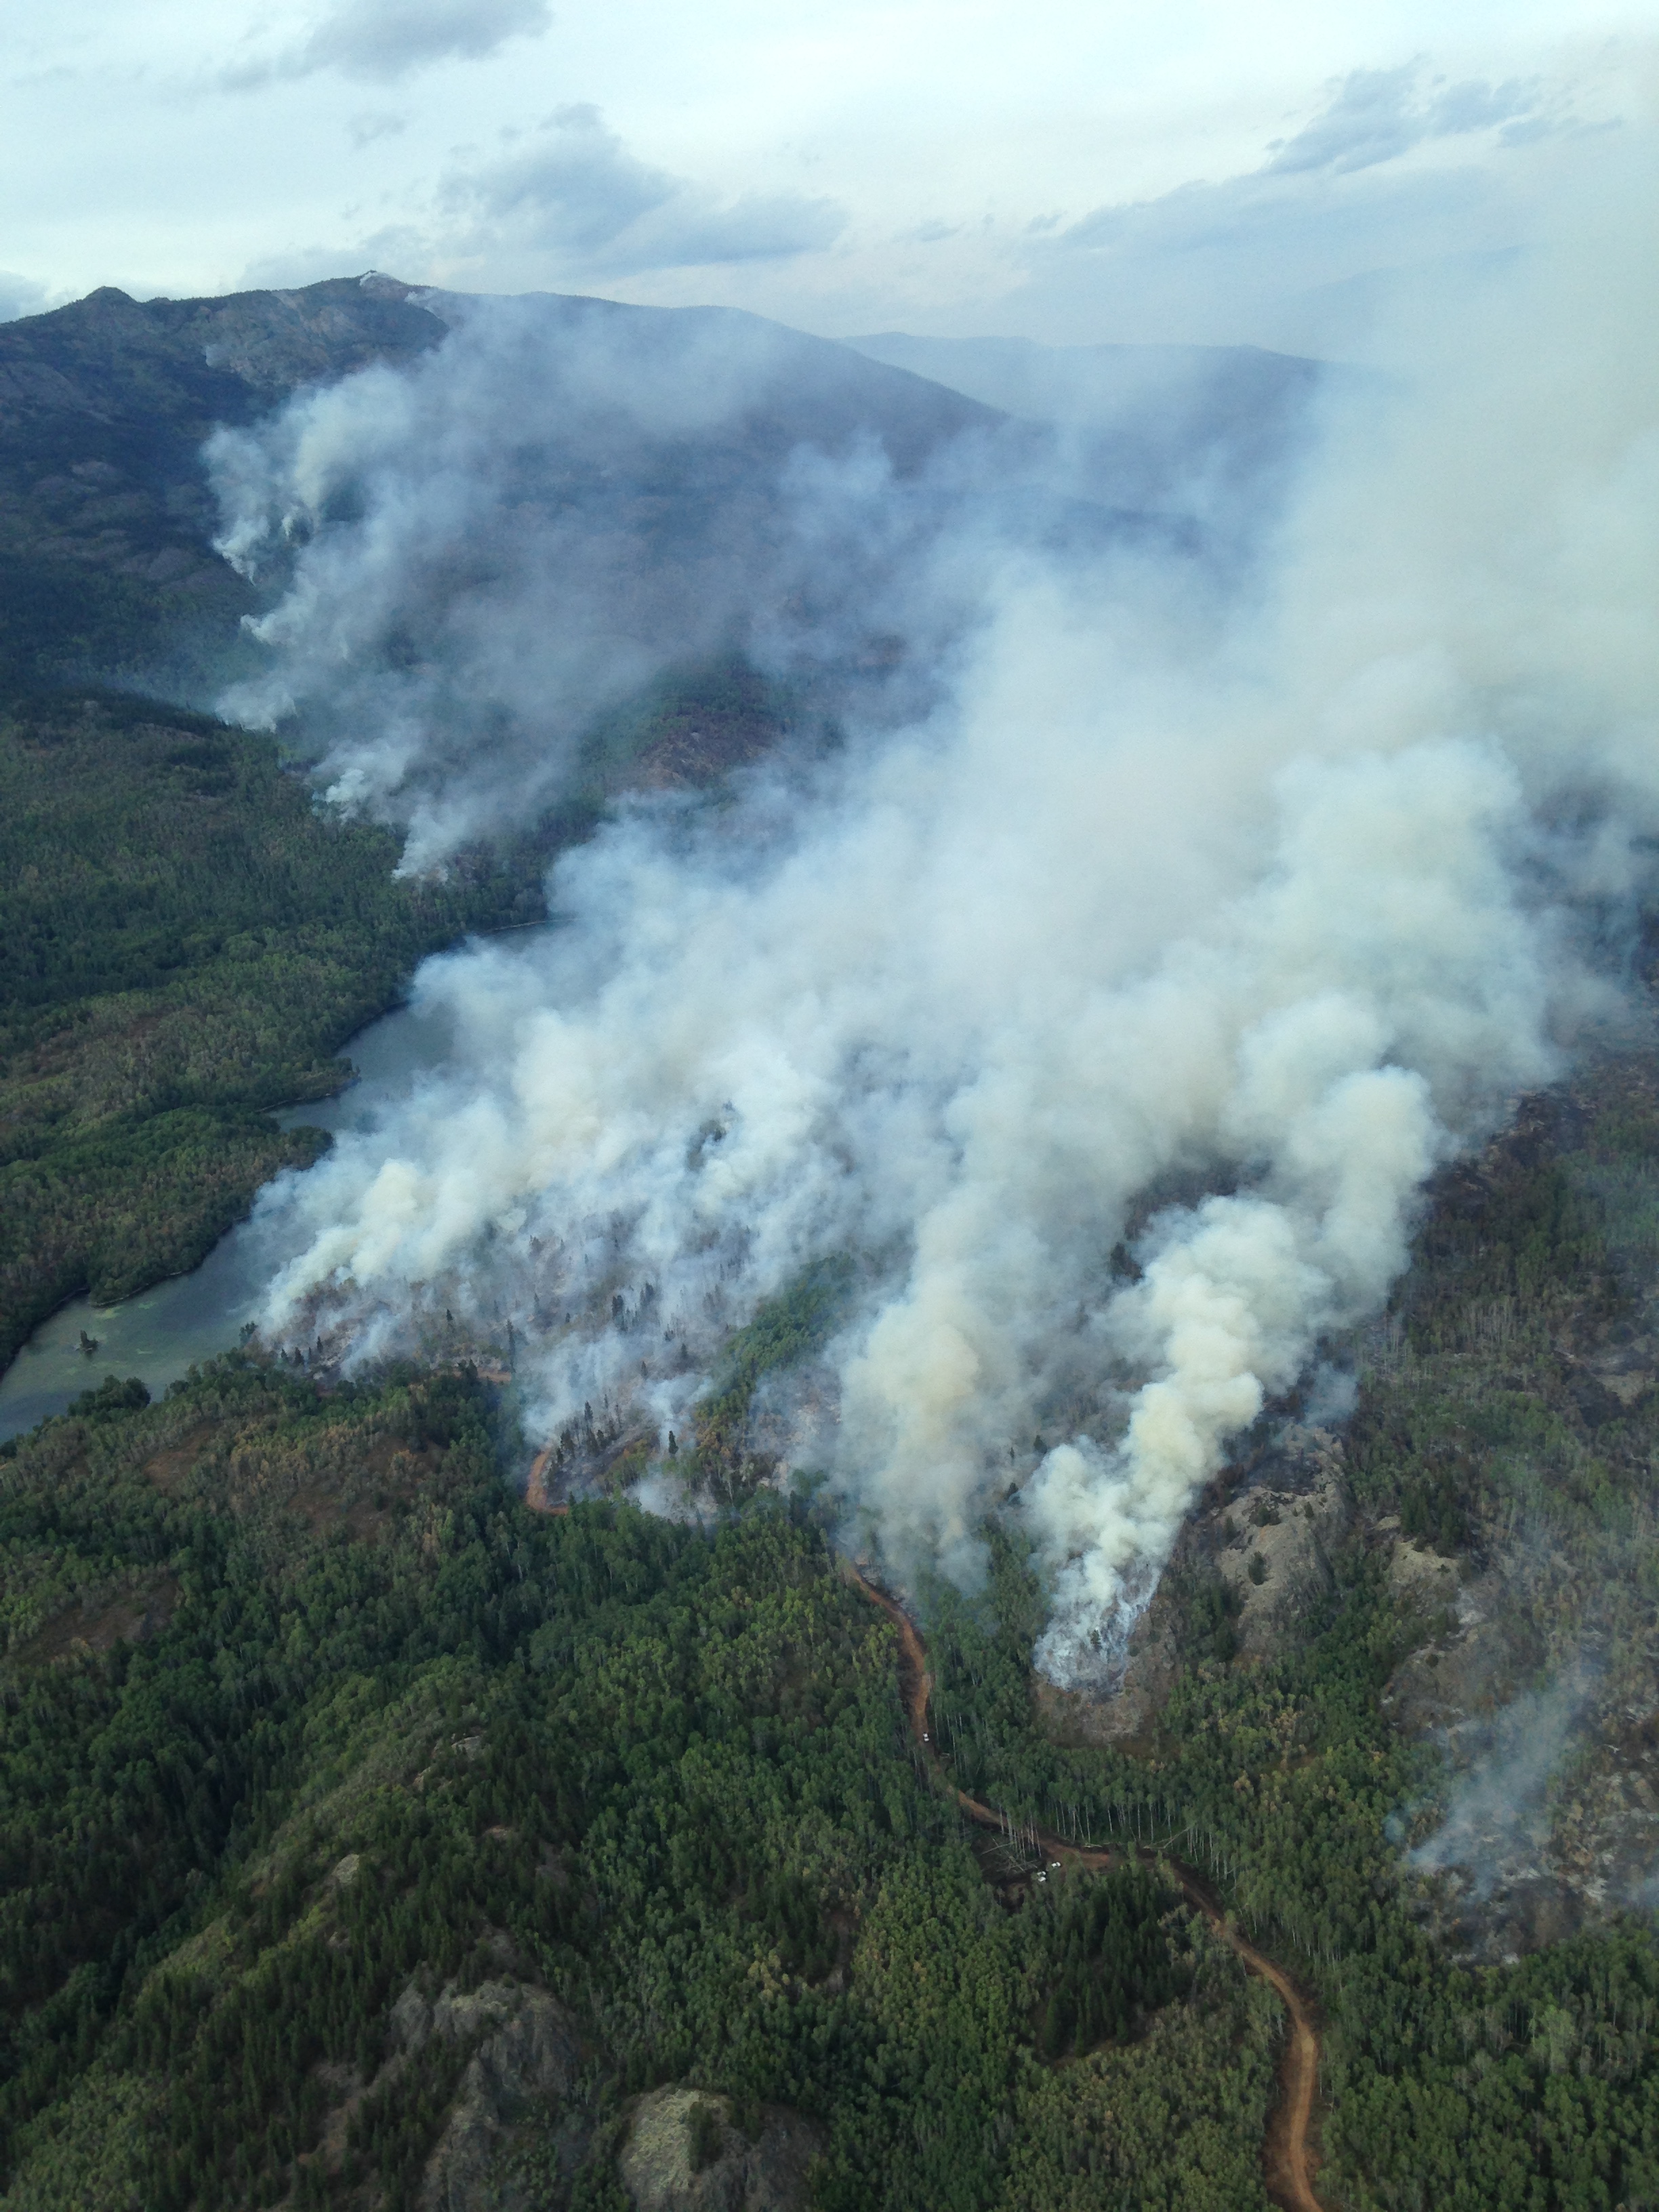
<point>1123,169</point>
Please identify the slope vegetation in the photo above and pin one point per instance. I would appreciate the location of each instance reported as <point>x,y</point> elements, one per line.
<point>488,1856</point>
<point>367,1835</point>
<point>185,943</point>
<point>106,567</point>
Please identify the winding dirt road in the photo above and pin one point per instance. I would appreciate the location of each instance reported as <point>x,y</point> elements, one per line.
<point>1285,2153</point>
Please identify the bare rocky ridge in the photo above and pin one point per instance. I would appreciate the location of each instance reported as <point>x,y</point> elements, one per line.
<point>666,2164</point>
<point>106,564</point>
<point>175,364</point>
<point>1276,1537</point>
<point>525,2060</point>
<point>1267,1534</point>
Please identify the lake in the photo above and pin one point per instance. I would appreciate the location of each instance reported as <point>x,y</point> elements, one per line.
<point>159,1334</point>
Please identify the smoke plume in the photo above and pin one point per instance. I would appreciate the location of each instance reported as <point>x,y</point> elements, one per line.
<point>476,559</point>
<point>1196,912</point>
<point>1498,1817</point>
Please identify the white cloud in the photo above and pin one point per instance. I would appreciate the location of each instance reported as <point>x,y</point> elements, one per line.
<point>372,123</point>
<point>960,148</point>
<point>1396,170</point>
<point>576,193</point>
<point>1376,115</point>
<point>382,41</point>
<point>20,295</point>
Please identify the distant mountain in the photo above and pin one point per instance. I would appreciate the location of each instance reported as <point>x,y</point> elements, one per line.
<point>1156,422</point>
<point>107,570</point>
<point>1097,384</point>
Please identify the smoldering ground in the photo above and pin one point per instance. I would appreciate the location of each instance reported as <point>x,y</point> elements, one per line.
<point>1284,879</point>
<point>1536,1826</point>
<point>1497,1815</point>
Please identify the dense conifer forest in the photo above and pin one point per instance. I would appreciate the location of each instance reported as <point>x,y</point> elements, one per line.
<point>386,1731</point>
<point>359,1822</point>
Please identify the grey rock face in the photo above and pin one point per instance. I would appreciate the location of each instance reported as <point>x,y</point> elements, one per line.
<point>1285,1528</point>
<point>661,2172</point>
<point>525,2064</point>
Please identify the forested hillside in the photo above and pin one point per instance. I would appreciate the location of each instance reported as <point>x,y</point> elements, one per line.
<point>372,1838</point>
<point>360,1827</point>
<point>185,942</point>
<point>1437,1631</point>
<point>106,564</point>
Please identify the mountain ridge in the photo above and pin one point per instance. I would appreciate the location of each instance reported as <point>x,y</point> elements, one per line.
<point>107,567</point>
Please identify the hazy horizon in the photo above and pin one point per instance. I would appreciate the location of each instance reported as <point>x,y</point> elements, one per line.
<point>1072,177</point>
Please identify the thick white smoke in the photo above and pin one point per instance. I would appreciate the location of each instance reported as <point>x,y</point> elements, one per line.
<point>484,553</point>
<point>1284,899</point>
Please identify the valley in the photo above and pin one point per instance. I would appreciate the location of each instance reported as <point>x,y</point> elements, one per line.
<point>373,1836</point>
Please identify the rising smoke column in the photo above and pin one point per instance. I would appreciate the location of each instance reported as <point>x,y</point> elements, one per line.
<point>1287,898</point>
<point>483,553</point>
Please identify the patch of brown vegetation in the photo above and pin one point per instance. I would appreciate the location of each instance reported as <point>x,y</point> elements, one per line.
<point>322,1510</point>
<point>334,1496</point>
<point>168,1470</point>
<point>695,747</point>
<point>128,1618</point>
<point>534,1495</point>
<point>535,1490</point>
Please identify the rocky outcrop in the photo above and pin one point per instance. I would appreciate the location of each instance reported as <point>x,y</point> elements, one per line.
<point>163,362</point>
<point>1278,1535</point>
<point>525,2064</point>
<point>1269,1534</point>
<point>685,2152</point>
